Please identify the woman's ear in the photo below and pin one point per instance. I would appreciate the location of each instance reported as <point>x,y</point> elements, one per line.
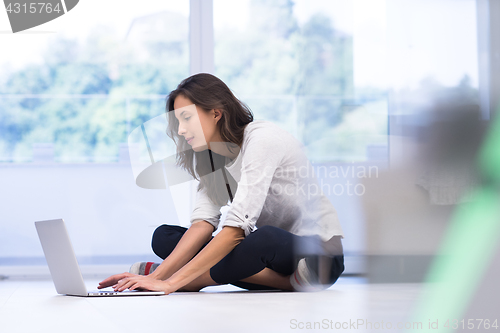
<point>217,115</point>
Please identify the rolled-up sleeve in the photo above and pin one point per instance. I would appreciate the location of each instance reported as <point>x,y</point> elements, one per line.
<point>205,209</point>
<point>261,158</point>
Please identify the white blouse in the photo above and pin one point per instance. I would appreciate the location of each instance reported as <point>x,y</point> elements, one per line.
<point>276,186</point>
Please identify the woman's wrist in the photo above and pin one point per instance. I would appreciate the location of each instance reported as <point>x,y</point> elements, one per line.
<point>171,284</point>
<point>153,276</point>
<point>159,273</point>
<point>167,287</point>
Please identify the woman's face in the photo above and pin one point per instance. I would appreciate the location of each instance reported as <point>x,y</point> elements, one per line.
<point>196,126</point>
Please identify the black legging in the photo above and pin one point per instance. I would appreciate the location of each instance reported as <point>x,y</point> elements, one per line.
<point>268,246</point>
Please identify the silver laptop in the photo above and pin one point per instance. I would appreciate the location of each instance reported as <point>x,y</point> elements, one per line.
<point>63,265</point>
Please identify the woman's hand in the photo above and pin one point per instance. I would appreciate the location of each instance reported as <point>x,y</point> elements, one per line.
<point>141,282</point>
<point>113,280</point>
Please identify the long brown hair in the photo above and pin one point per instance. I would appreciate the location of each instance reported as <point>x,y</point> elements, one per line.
<point>209,92</point>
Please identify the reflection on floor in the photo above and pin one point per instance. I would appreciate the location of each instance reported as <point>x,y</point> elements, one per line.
<point>349,305</point>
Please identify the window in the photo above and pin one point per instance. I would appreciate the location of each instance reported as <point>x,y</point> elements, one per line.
<point>69,97</point>
<point>294,63</point>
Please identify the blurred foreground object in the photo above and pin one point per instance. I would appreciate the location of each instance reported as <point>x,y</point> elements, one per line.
<point>450,145</point>
<point>409,206</point>
<point>463,280</point>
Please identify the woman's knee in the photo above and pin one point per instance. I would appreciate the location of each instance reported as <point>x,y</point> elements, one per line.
<point>266,233</point>
<point>165,239</point>
<point>267,239</point>
<point>337,268</point>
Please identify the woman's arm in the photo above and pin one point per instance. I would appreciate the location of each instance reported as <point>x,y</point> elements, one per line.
<point>223,243</point>
<point>193,239</point>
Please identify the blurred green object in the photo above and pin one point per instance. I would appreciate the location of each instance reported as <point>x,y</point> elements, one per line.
<point>467,250</point>
<point>468,247</point>
<point>489,157</point>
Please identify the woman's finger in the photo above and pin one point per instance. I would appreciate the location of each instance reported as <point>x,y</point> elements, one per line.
<point>113,279</point>
<point>133,283</point>
<point>120,283</point>
<point>136,285</point>
<point>127,284</point>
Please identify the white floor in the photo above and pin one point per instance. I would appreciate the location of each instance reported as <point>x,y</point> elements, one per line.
<point>34,306</point>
